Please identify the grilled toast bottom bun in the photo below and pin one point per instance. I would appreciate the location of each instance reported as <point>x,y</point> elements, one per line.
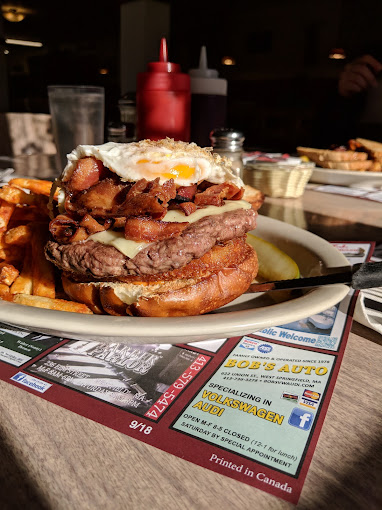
<point>207,283</point>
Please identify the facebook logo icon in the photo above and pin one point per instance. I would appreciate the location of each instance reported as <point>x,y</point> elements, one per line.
<point>301,419</point>
<point>19,377</point>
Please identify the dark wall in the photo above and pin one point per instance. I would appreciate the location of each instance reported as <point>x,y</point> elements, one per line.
<point>281,91</point>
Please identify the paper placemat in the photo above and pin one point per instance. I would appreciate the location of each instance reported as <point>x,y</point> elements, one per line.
<point>368,309</point>
<point>250,408</point>
<point>366,194</point>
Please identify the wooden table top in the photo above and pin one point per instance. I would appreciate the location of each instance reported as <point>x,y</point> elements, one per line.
<point>51,458</point>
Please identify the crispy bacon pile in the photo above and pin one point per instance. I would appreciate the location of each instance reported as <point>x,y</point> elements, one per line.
<point>96,200</point>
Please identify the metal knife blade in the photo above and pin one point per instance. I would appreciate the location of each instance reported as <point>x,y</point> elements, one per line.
<point>358,276</point>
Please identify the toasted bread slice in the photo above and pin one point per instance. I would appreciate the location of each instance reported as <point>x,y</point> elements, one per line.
<point>376,166</point>
<point>254,196</point>
<point>371,147</point>
<point>359,166</point>
<point>320,155</point>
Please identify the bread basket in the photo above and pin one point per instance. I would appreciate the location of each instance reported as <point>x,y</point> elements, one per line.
<point>278,179</point>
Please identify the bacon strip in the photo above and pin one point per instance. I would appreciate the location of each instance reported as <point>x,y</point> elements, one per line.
<point>63,228</point>
<point>146,229</point>
<point>138,187</point>
<point>80,235</point>
<point>101,199</point>
<point>87,173</point>
<point>108,199</point>
<point>234,192</point>
<point>186,193</point>
<point>66,229</point>
<point>215,194</point>
<point>141,205</point>
<point>163,192</point>
<point>147,198</point>
<point>187,207</point>
<point>91,225</point>
<point>119,223</point>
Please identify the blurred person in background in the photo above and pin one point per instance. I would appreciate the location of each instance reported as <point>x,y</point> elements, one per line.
<point>359,75</point>
<point>355,108</point>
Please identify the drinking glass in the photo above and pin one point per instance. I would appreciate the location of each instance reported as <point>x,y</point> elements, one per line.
<point>78,117</point>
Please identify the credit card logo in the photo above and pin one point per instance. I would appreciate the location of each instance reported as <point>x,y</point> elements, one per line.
<point>313,395</point>
<point>306,402</point>
<point>289,396</point>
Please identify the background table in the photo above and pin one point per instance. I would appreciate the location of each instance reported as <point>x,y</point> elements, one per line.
<point>51,458</point>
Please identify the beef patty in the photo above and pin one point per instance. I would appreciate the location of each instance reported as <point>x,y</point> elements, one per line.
<point>90,258</point>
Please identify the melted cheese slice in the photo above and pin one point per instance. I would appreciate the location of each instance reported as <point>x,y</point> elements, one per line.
<point>117,239</point>
<point>132,248</point>
<point>229,205</point>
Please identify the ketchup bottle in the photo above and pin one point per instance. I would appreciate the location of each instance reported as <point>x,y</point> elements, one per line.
<point>163,100</point>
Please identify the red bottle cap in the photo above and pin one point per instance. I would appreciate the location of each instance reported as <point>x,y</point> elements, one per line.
<point>163,75</point>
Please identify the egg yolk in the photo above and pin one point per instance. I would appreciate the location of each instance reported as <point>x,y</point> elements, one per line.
<point>182,171</point>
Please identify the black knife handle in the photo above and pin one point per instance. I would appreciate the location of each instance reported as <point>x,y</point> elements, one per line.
<point>367,275</point>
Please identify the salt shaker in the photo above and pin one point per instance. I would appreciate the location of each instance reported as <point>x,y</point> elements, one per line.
<point>128,114</point>
<point>116,132</point>
<point>229,143</point>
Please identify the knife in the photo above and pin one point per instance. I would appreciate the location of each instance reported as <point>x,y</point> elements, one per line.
<point>358,276</point>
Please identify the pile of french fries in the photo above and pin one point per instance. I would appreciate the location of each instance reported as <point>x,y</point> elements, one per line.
<point>26,277</point>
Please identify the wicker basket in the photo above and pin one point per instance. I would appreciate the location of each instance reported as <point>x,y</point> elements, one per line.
<point>276,180</point>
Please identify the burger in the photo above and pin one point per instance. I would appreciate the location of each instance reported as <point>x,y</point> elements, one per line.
<point>151,228</point>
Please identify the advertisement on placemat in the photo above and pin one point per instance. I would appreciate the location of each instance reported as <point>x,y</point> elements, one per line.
<point>130,377</point>
<point>272,421</point>
<point>18,346</point>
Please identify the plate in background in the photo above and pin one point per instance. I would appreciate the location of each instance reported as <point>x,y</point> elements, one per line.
<point>346,178</point>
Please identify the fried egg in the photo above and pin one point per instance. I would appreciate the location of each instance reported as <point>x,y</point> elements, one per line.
<point>186,163</point>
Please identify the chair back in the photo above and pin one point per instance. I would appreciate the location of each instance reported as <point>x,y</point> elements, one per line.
<point>26,134</point>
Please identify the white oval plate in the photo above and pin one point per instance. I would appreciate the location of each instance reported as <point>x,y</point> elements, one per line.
<point>346,177</point>
<point>250,313</point>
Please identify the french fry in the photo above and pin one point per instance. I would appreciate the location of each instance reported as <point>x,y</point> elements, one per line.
<point>17,196</point>
<point>11,254</point>
<point>27,214</point>
<point>6,211</point>
<point>20,235</point>
<point>4,292</point>
<point>37,186</point>
<point>51,304</point>
<point>26,277</point>
<point>23,284</point>
<point>41,202</point>
<point>42,269</point>
<point>8,274</point>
